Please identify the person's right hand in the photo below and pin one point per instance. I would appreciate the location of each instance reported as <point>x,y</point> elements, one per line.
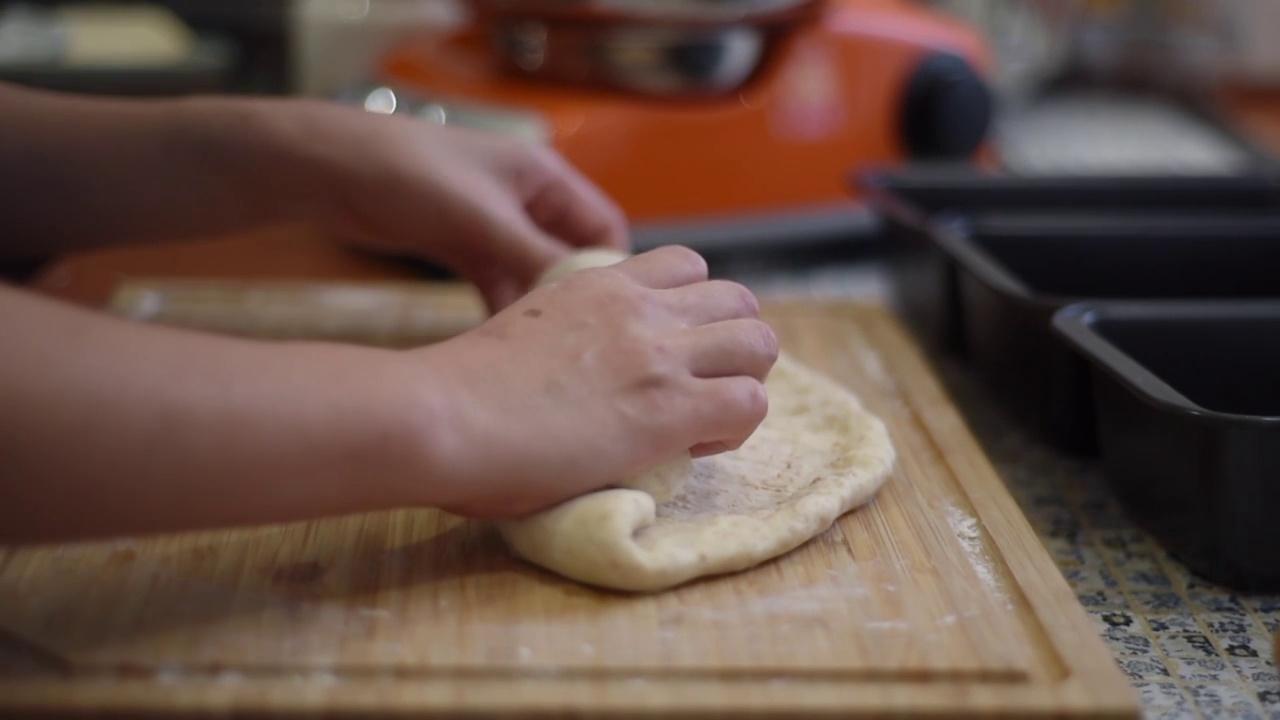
<point>587,381</point>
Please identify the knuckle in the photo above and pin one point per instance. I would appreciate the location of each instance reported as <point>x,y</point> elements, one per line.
<point>745,301</point>
<point>658,361</point>
<point>632,303</point>
<point>650,359</point>
<point>745,401</point>
<point>753,402</point>
<point>685,259</point>
<point>608,293</point>
<point>763,340</point>
<point>773,346</point>
<point>657,398</point>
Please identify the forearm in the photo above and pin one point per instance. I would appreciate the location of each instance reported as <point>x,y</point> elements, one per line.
<point>80,172</point>
<point>107,427</point>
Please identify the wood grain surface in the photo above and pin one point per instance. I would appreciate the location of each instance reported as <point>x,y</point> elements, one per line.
<point>935,600</point>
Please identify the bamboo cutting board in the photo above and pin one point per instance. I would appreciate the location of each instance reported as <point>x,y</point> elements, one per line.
<point>936,599</point>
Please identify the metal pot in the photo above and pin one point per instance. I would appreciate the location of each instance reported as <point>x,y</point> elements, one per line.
<point>685,12</point>
<point>654,59</point>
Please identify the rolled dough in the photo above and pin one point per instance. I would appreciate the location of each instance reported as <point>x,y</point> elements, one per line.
<point>818,455</point>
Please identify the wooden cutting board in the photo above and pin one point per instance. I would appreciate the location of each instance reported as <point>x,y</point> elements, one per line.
<point>936,599</point>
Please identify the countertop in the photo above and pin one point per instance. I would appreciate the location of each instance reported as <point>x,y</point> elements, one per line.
<point>1192,649</point>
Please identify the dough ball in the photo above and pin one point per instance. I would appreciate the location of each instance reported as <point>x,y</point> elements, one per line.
<point>581,260</point>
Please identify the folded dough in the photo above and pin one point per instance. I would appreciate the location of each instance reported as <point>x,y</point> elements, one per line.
<point>817,455</point>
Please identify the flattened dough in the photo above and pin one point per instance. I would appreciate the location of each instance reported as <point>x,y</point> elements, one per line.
<point>817,455</point>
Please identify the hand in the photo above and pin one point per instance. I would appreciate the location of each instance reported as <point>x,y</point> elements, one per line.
<point>495,210</point>
<point>592,379</point>
<point>79,172</point>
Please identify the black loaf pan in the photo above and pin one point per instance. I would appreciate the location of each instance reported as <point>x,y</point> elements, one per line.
<point>912,200</point>
<point>1188,407</point>
<point>1015,271</point>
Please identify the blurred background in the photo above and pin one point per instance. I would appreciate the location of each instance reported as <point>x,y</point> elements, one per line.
<point>729,125</point>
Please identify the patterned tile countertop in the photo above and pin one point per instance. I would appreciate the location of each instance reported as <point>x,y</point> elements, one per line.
<point>1192,649</point>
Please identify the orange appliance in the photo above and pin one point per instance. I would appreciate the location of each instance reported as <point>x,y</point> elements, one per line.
<point>711,122</point>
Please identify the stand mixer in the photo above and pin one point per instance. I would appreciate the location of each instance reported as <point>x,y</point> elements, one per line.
<point>712,123</point>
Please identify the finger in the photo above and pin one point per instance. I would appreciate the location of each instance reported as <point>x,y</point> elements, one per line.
<point>575,210</point>
<point>745,347</point>
<point>524,249</point>
<point>501,283</point>
<point>729,411</point>
<point>614,230</point>
<point>665,268</point>
<point>504,293</point>
<point>498,291</point>
<point>712,301</point>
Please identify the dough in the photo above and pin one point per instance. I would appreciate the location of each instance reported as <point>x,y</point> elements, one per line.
<point>817,455</point>
<point>581,260</point>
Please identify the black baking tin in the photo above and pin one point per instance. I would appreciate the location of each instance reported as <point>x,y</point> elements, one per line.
<point>911,201</point>
<point>1188,411</point>
<point>1014,271</point>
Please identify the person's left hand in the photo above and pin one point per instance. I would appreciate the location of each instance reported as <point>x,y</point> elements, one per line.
<point>495,210</point>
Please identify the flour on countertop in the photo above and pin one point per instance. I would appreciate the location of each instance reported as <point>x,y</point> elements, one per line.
<point>873,366</point>
<point>881,625</point>
<point>323,677</point>
<point>967,529</point>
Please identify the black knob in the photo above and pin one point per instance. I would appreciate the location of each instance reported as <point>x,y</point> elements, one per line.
<point>947,109</point>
